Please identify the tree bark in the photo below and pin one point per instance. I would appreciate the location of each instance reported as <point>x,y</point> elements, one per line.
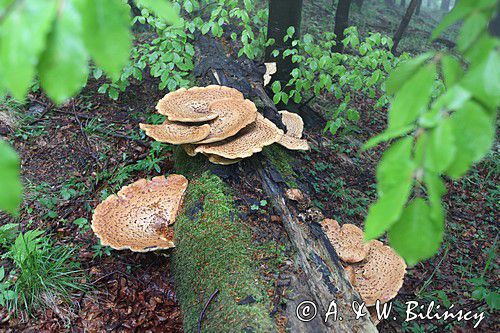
<point>419,7</point>
<point>445,5</point>
<point>282,15</point>
<point>404,23</point>
<point>341,23</point>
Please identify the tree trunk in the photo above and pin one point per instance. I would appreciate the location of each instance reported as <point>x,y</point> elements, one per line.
<point>419,7</point>
<point>494,26</point>
<point>282,15</point>
<point>445,5</point>
<point>341,23</point>
<point>359,3</point>
<point>404,23</point>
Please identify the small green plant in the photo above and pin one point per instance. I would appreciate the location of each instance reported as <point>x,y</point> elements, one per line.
<point>483,290</point>
<point>100,250</point>
<point>361,70</point>
<point>42,272</point>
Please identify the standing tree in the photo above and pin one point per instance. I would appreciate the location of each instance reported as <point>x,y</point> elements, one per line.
<point>445,5</point>
<point>283,14</point>
<point>341,23</point>
<point>404,23</point>
<point>419,7</point>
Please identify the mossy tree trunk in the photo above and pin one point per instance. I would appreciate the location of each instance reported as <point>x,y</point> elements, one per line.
<point>282,15</point>
<point>341,23</point>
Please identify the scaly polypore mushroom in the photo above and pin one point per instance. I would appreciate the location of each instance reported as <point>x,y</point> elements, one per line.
<point>191,105</point>
<point>176,133</point>
<point>222,160</point>
<point>294,128</point>
<point>248,141</point>
<point>379,276</point>
<point>347,240</point>
<point>140,216</point>
<point>271,69</point>
<point>232,116</point>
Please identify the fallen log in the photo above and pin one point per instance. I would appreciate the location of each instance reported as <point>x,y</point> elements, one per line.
<point>320,277</point>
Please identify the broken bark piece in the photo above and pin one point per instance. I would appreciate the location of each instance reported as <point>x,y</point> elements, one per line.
<point>140,216</point>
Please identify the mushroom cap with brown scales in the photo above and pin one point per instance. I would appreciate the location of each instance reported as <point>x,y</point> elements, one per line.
<point>250,140</point>
<point>271,69</point>
<point>215,159</point>
<point>293,123</point>
<point>292,143</point>
<point>140,216</point>
<point>294,128</point>
<point>380,275</point>
<point>347,240</point>
<point>233,115</point>
<point>191,105</point>
<point>189,149</point>
<point>176,133</point>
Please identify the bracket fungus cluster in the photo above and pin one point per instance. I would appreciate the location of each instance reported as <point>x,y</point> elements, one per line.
<point>375,270</point>
<point>140,216</point>
<point>218,122</point>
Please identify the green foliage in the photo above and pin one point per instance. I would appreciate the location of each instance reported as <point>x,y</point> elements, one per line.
<point>361,70</point>
<point>450,123</point>
<point>10,183</point>
<point>43,273</point>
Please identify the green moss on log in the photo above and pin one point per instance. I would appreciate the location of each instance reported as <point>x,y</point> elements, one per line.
<point>214,252</point>
<point>278,157</point>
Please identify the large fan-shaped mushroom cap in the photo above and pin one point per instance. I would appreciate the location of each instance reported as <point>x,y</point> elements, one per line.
<point>233,115</point>
<point>191,105</point>
<point>294,128</point>
<point>248,141</point>
<point>140,216</point>
<point>347,240</point>
<point>380,275</point>
<point>176,133</point>
<point>189,149</point>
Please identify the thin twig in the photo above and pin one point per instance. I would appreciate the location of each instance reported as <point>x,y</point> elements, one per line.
<point>87,140</point>
<point>205,309</point>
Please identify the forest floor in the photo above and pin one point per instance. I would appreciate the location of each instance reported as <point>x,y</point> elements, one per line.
<point>75,155</point>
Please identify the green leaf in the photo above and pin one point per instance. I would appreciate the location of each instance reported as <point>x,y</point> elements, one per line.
<point>474,132</point>
<point>404,72</point>
<point>461,10</point>
<point>414,236</point>
<point>483,80</point>
<point>387,135</point>
<point>435,191</point>
<point>452,70</point>
<point>473,26</point>
<point>23,35</point>
<point>106,33</point>
<point>413,98</point>
<point>163,9</point>
<point>440,147</point>
<point>10,182</point>
<point>394,183</point>
<point>64,64</point>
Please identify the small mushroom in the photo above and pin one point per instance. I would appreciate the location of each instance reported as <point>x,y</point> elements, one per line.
<point>248,141</point>
<point>191,105</point>
<point>347,240</point>
<point>176,133</point>
<point>379,276</point>
<point>232,116</point>
<point>189,149</point>
<point>294,128</point>
<point>140,216</point>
